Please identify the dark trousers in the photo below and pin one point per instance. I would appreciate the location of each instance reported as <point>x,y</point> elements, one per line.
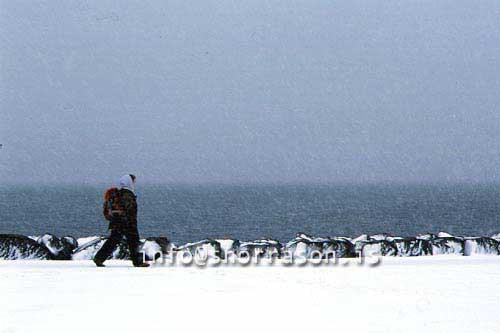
<point>119,230</point>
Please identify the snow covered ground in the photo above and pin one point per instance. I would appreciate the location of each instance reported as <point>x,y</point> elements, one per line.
<point>415,294</point>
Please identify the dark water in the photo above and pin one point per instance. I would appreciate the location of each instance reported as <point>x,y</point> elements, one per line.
<point>190,213</point>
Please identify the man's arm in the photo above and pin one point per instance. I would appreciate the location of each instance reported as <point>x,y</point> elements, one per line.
<point>105,210</point>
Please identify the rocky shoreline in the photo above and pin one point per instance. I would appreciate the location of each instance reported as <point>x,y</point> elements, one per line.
<point>50,247</point>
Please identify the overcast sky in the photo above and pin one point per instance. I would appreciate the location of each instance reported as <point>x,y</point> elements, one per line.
<point>250,91</point>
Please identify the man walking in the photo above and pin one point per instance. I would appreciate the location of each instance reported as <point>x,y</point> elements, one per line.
<point>120,209</point>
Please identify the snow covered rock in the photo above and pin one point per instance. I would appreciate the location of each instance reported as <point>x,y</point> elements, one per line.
<point>14,247</point>
<point>164,243</point>
<point>70,242</point>
<point>377,248</point>
<point>207,248</point>
<point>263,248</point>
<point>447,245</point>
<point>481,245</point>
<point>305,246</point>
<point>228,246</point>
<point>412,246</point>
<point>90,245</point>
<point>344,248</point>
<point>151,250</point>
<point>426,236</point>
<point>60,250</point>
<point>358,242</point>
<point>496,236</point>
<point>382,236</point>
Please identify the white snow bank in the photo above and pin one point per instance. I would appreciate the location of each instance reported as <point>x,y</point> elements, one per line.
<point>417,294</point>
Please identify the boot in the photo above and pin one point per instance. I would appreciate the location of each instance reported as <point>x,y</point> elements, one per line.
<point>143,264</point>
<point>98,263</point>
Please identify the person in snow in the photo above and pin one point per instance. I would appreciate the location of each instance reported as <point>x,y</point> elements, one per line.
<point>120,209</point>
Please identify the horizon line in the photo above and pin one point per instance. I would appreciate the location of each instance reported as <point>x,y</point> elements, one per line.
<point>249,183</point>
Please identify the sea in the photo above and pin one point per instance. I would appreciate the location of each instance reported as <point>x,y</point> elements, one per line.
<point>188,213</point>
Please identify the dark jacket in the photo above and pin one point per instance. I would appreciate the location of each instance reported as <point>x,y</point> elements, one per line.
<point>128,203</point>
<point>130,206</point>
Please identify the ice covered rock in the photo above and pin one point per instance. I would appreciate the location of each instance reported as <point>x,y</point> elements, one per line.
<point>154,248</point>
<point>49,246</point>
<point>151,250</point>
<point>496,236</point>
<point>382,236</point>
<point>60,250</point>
<point>84,240</point>
<point>447,245</point>
<point>14,247</point>
<point>70,242</point>
<point>305,246</point>
<point>426,236</point>
<point>344,247</point>
<point>90,245</point>
<point>228,246</point>
<point>207,248</point>
<point>164,243</point>
<point>358,242</point>
<point>481,245</point>
<point>412,246</point>
<point>263,248</point>
<point>377,248</point>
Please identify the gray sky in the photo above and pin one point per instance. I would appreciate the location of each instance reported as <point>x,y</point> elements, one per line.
<point>250,91</point>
